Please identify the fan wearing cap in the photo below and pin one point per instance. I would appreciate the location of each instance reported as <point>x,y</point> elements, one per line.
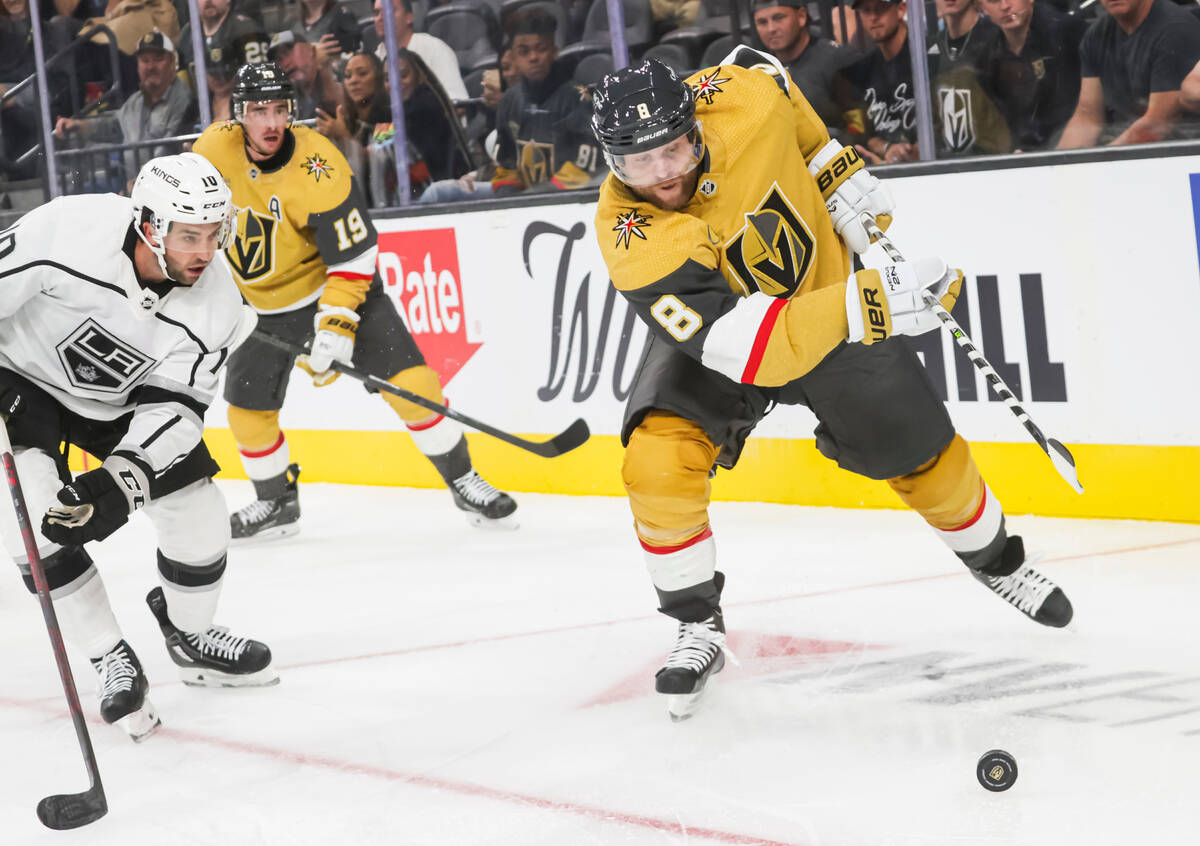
<point>162,107</point>
<point>727,223</point>
<point>116,319</point>
<point>305,260</point>
<point>308,69</point>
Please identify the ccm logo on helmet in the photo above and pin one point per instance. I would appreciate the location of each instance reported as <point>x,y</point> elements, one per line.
<point>164,176</point>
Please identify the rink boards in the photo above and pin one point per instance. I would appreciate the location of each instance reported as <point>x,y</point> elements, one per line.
<point>1083,285</point>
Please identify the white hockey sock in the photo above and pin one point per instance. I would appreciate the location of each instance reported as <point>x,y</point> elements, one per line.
<point>192,609</point>
<point>266,463</point>
<point>437,435</point>
<point>978,532</point>
<point>86,616</point>
<point>677,567</point>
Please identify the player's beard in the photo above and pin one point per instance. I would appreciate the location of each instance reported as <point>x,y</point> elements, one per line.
<point>178,271</point>
<point>674,199</point>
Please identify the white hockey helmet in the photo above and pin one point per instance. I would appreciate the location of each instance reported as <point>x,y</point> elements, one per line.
<point>185,188</point>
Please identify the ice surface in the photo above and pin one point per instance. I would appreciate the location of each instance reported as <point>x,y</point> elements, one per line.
<point>446,685</point>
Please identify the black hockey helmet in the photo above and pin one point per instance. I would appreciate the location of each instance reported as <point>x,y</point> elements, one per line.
<point>261,83</point>
<point>641,108</point>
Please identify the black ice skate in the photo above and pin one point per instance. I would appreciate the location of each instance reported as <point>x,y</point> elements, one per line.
<point>265,519</point>
<point>213,658</point>
<point>123,689</point>
<point>484,505</point>
<point>699,652</point>
<point>1024,588</point>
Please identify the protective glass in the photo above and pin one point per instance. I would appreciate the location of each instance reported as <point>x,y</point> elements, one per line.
<point>672,160</point>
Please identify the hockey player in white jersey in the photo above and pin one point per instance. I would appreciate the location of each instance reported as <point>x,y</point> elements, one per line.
<point>116,316</point>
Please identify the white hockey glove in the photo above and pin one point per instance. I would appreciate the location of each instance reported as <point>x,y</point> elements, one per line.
<point>849,191</point>
<point>889,301</point>
<point>334,341</point>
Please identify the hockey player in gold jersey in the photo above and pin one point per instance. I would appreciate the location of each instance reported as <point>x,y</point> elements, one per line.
<point>304,258</point>
<point>725,223</point>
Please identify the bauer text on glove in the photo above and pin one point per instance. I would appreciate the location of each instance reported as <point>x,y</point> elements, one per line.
<point>890,300</point>
<point>334,341</point>
<point>850,191</point>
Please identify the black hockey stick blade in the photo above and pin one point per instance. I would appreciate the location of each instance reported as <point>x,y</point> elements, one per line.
<point>72,810</point>
<point>573,436</point>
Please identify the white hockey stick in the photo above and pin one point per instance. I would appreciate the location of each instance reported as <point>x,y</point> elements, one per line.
<point>1058,454</point>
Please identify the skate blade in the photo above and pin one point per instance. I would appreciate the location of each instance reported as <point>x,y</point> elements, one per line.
<point>141,723</point>
<point>503,524</point>
<point>271,534</point>
<point>198,677</point>
<point>681,706</point>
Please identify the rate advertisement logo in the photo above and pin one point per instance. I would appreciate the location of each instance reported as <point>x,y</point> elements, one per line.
<point>420,274</point>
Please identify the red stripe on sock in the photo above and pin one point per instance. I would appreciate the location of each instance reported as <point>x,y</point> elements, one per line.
<point>262,453</point>
<point>667,550</point>
<point>421,427</point>
<point>760,341</point>
<point>975,519</point>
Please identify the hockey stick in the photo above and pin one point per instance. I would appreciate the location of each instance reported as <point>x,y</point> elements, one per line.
<point>573,436</point>
<point>1058,454</point>
<point>63,810</point>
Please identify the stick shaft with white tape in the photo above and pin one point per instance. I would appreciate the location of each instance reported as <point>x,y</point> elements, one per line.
<point>1058,454</point>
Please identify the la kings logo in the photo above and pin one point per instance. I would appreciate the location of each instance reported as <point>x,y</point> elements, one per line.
<point>96,359</point>
<point>252,254</point>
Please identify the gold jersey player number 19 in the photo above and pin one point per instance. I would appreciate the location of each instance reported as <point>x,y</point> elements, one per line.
<point>304,259</point>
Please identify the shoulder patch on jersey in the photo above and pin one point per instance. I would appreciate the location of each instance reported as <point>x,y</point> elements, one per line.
<point>630,224</point>
<point>709,85</point>
<point>316,167</point>
<point>226,126</point>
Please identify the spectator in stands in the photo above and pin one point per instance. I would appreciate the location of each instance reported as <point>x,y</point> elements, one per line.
<point>20,122</point>
<point>229,37</point>
<point>437,55</point>
<point>364,105</point>
<point>1033,70</point>
<point>544,137</point>
<point>1133,64</point>
<point>308,69</point>
<point>967,120</point>
<point>329,26</point>
<point>673,14</point>
<point>162,107</point>
<point>435,147</point>
<point>882,108</point>
<point>811,62</point>
<point>221,77</point>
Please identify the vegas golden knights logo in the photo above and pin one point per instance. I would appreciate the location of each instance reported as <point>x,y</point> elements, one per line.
<point>774,250</point>
<point>537,162</point>
<point>252,254</point>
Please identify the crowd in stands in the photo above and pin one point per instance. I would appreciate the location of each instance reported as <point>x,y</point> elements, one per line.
<point>495,93</point>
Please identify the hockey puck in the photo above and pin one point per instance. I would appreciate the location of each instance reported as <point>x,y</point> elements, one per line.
<point>996,770</point>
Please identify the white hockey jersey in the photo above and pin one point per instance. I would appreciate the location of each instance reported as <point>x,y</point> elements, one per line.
<point>75,321</point>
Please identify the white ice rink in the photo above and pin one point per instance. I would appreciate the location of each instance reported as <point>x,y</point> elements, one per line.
<point>445,685</point>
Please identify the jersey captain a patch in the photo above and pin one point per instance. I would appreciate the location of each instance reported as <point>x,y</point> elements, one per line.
<point>774,251</point>
<point>96,359</point>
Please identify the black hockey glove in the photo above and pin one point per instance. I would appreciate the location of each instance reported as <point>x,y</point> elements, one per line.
<point>11,403</point>
<point>96,504</point>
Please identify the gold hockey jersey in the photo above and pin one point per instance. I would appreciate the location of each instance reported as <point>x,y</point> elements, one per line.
<point>749,277</point>
<point>302,217</point>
